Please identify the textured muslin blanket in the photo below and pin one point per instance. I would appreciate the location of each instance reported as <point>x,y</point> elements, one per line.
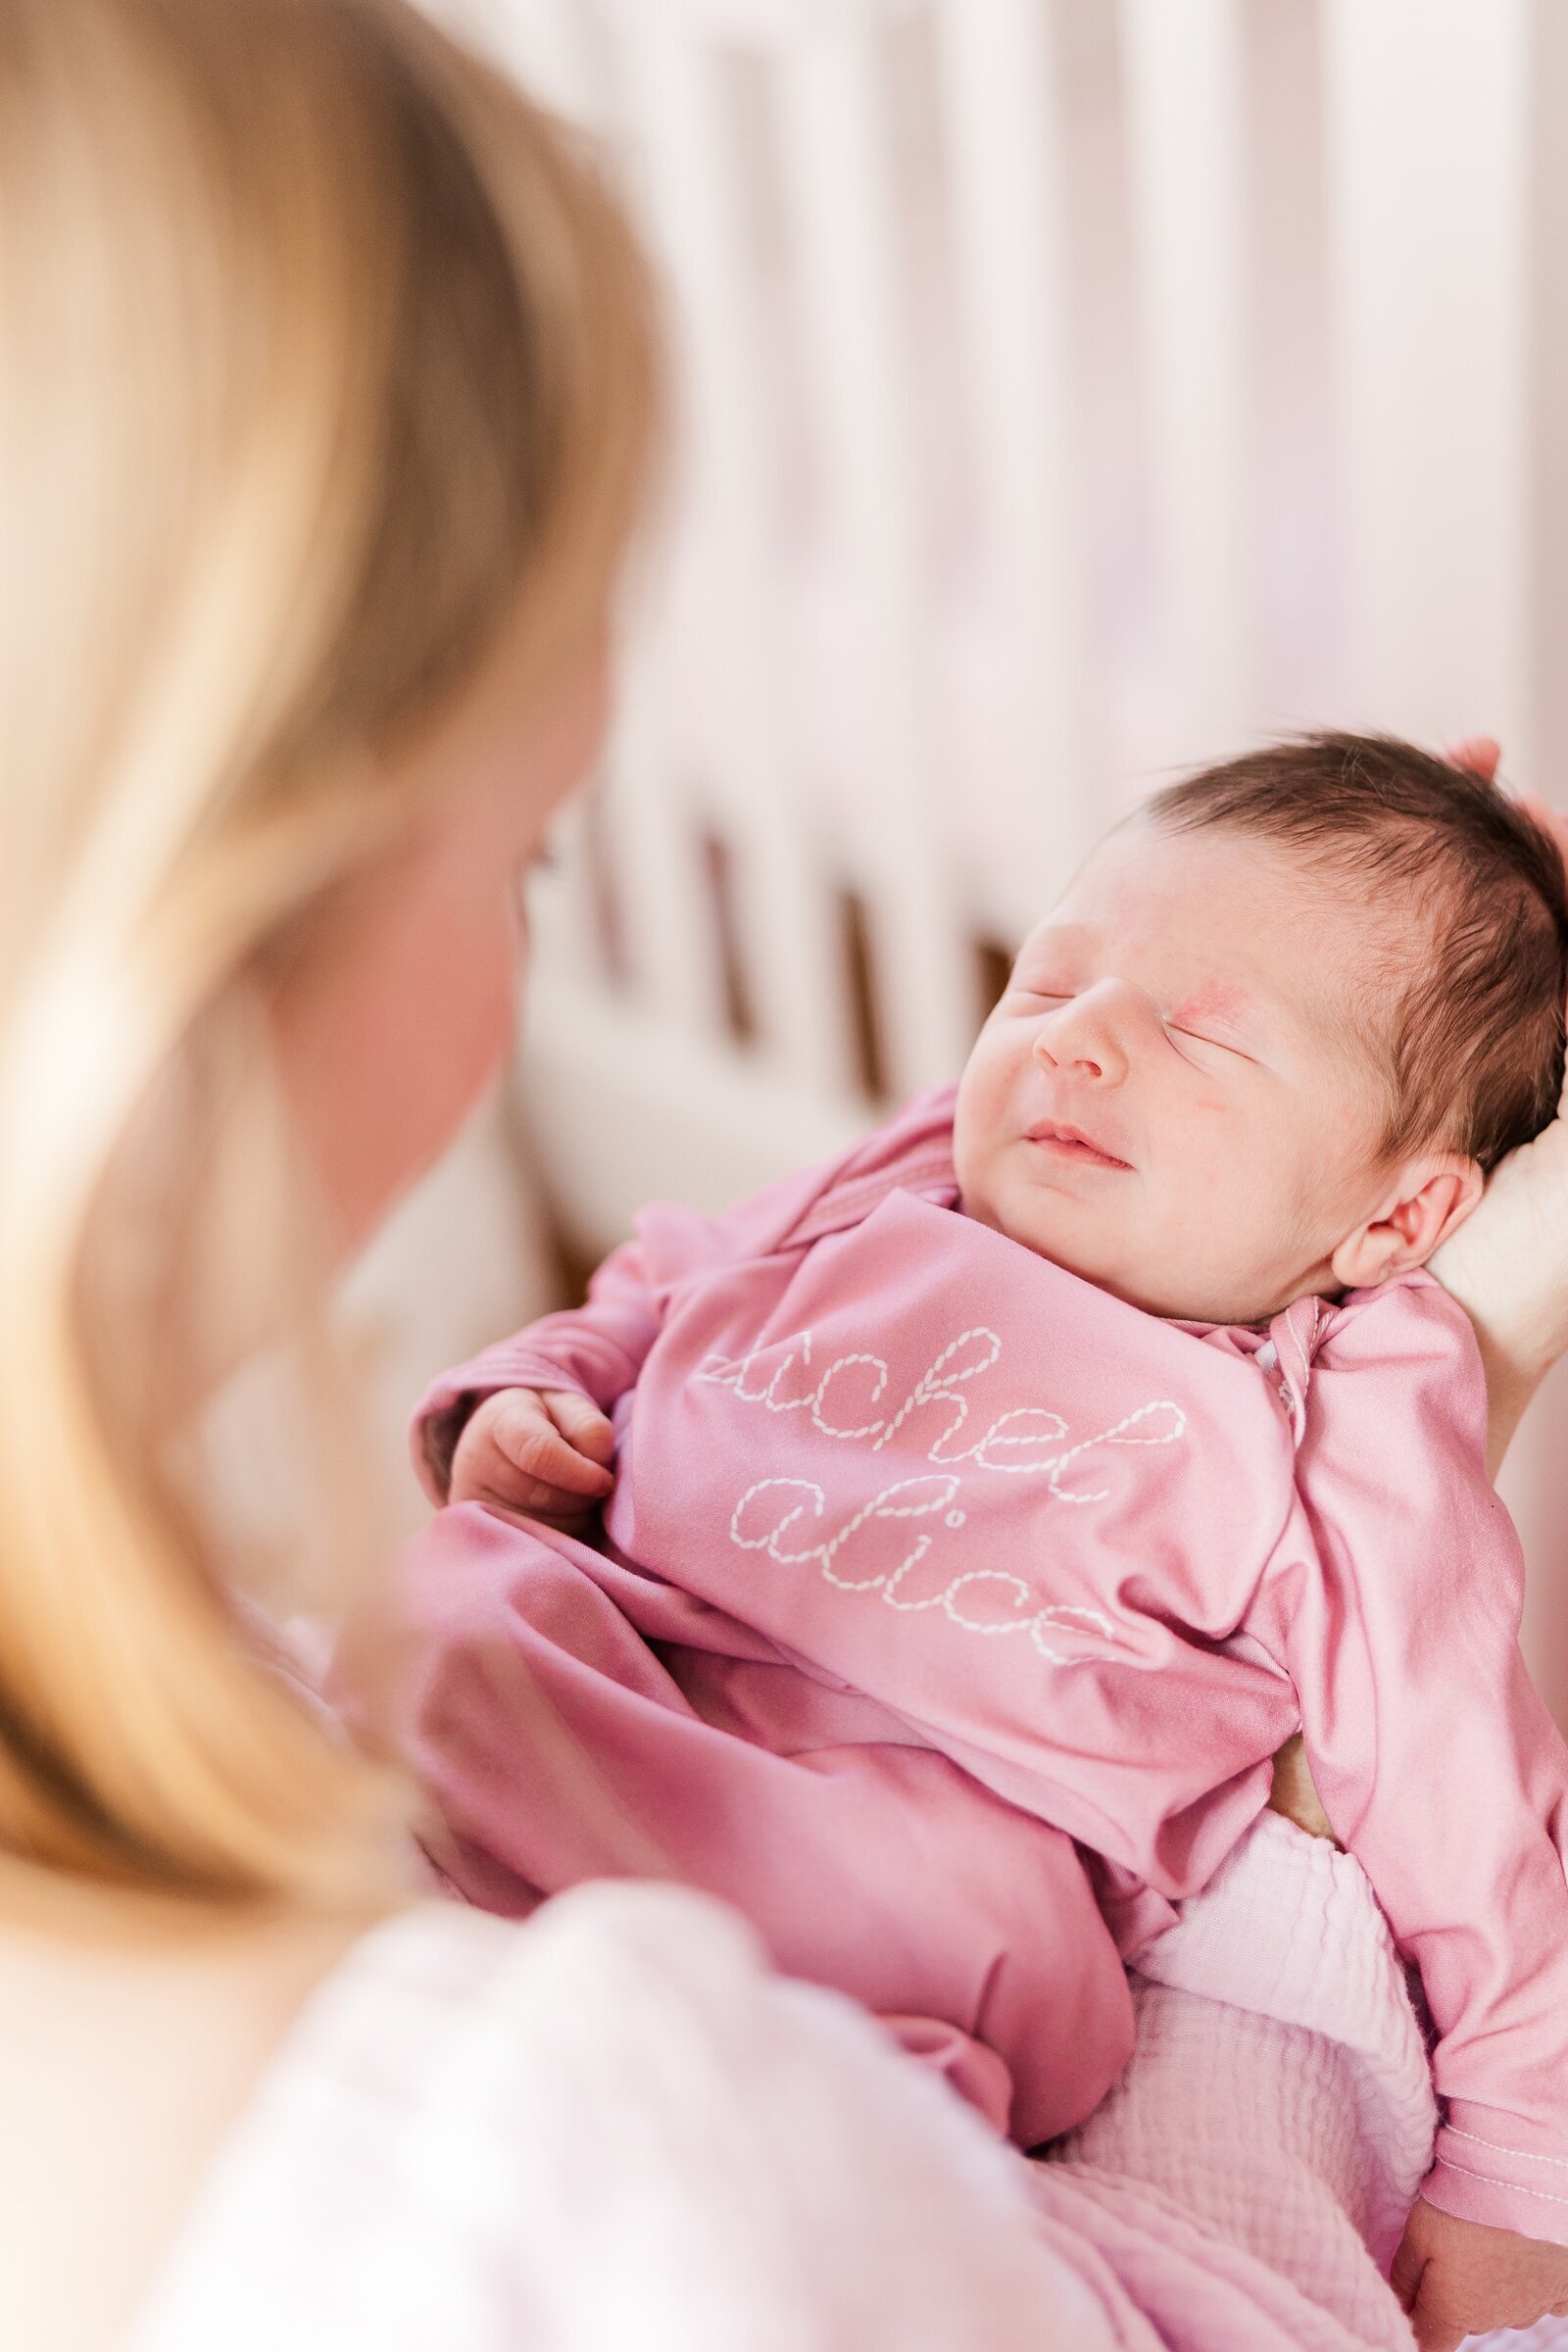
<point>1288,2113</point>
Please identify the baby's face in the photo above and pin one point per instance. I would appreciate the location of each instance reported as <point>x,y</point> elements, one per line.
<point>1172,1099</point>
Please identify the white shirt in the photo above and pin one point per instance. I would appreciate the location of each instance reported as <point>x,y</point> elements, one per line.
<point>609,2128</point>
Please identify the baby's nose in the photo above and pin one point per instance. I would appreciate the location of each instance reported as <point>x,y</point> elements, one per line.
<point>1091,1034</point>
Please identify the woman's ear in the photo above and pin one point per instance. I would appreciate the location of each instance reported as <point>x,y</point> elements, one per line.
<point>1430,1199</point>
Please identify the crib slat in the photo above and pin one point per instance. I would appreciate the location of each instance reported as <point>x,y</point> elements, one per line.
<point>1183,68</point>
<point>1425,105</point>
<point>695,202</point>
<point>650,835</point>
<point>996,74</point>
<point>838,178</point>
<point>625,1109</point>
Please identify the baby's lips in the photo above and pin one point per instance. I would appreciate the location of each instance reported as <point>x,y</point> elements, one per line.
<point>1067,1130</point>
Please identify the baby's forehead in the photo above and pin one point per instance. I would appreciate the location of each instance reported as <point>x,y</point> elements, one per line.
<point>1238,922</point>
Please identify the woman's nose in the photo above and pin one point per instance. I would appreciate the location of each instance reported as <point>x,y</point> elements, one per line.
<point>1090,1035</point>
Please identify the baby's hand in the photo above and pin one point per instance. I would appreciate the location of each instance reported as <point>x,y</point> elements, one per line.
<point>546,1452</point>
<point>1458,2278</point>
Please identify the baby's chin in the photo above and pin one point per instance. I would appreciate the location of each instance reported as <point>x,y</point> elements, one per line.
<point>1072,1234</point>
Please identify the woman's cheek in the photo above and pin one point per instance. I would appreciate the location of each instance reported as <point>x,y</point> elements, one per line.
<point>464,1028</point>
<point>491,1013</point>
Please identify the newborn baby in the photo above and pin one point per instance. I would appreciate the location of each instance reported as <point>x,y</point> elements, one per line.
<point>1031,1475</point>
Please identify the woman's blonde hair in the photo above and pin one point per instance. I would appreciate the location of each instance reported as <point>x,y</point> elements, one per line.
<point>326,374</point>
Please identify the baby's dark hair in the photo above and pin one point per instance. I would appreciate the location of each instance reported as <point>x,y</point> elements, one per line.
<point>1473,1048</point>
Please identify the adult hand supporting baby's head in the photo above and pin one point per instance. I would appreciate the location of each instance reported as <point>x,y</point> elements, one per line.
<point>1482,754</point>
<point>1507,1265</point>
<point>1458,2278</point>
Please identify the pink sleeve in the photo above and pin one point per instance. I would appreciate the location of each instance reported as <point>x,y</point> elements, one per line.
<point>1393,1599</point>
<point>598,1347</point>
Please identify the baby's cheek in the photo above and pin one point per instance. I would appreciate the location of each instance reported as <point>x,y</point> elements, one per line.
<point>976,1117</point>
<point>984,1122</point>
<point>1209,1107</point>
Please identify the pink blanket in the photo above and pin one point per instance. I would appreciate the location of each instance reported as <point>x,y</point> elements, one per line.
<point>1244,2186</point>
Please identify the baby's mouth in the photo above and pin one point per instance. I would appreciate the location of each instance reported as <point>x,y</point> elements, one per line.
<point>1071,1144</point>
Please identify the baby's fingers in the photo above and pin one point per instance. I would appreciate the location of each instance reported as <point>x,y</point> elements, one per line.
<point>1436,2334</point>
<point>582,1425</point>
<point>524,1430</point>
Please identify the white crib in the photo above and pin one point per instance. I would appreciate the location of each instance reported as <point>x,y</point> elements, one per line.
<point>1068,389</point>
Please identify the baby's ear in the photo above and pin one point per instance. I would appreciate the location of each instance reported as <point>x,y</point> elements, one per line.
<point>1427,1200</point>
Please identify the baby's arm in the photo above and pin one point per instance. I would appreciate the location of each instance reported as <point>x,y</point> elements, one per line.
<point>595,1352</point>
<point>481,1433</point>
<point>1393,1599</point>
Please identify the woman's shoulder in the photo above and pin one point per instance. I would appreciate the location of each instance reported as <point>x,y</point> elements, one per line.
<point>493,2135</point>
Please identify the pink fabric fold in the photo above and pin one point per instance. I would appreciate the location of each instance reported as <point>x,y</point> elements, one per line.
<point>543,1718</point>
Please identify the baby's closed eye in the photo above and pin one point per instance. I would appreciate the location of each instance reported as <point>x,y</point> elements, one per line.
<point>1203,1038</point>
